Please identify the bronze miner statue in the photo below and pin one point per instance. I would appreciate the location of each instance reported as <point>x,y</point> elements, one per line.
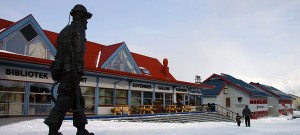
<point>68,69</point>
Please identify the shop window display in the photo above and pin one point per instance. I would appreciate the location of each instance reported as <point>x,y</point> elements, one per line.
<point>13,92</point>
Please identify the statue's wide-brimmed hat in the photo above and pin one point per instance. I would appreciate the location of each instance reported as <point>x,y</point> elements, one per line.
<point>81,8</point>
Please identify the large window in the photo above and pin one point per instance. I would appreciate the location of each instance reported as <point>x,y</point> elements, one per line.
<point>122,97</point>
<point>198,100</point>
<point>159,97</point>
<point>39,99</point>
<point>195,100</point>
<point>192,100</point>
<point>180,97</point>
<point>135,98</point>
<point>13,92</point>
<point>168,98</point>
<point>147,98</point>
<point>122,63</point>
<point>106,97</point>
<point>187,101</point>
<point>26,41</point>
<point>89,95</point>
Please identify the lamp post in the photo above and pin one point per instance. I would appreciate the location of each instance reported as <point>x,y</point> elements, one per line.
<point>115,91</point>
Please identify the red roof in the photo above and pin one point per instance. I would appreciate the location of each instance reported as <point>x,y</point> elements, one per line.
<point>151,64</point>
<point>91,57</point>
<point>4,23</point>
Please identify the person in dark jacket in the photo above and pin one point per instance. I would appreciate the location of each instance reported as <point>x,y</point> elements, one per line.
<point>213,107</point>
<point>238,119</point>
<point>208,107</point>
<point>246,115</point>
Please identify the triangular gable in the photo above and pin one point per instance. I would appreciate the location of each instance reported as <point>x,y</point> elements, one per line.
<point>23,24</point>
<point>106,52</point>
<point>122,49</point>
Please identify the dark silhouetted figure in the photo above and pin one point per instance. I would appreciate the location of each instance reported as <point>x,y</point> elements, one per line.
<point>213,107</point>
<point>246,115</point>
<point>70,60</point>
<point>238,119</point>
<point>208,107</point>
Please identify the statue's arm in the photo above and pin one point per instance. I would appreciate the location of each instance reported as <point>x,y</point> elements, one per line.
<point>80,50</point>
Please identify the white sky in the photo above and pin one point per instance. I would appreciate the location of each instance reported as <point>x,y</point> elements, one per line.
<point>253,40</point>
<point>266,126</point>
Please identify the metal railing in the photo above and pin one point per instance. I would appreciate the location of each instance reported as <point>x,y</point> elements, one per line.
<point>219,109</point>
<point>226,112</point>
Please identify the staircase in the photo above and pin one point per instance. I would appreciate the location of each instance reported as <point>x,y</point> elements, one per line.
<point>176,118</point>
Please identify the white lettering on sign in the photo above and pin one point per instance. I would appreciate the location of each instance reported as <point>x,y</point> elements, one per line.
<point>137,85</point>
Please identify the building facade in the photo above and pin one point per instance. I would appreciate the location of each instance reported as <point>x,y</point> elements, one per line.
<point>296,102</point>
<point>234,94</point>
<point>113,74</point>
<point>279,102</point>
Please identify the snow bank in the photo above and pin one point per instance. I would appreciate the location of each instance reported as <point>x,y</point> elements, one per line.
<point>266,126</point>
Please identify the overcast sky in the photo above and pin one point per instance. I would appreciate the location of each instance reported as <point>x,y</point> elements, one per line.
<point>253,40</point>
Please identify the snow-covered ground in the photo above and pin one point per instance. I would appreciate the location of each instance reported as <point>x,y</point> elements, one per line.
<point>266,126</point>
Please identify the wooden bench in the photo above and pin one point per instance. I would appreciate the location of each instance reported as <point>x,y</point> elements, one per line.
<point>146,108</point>
<point>185,108</point>
<point>117,109</point>
<point>121,109</point>
<point>126,109</point>
<point>170,108</point>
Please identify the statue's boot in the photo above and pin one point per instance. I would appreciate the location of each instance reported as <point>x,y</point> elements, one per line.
<point>54,132</point>
<point>82,131</point>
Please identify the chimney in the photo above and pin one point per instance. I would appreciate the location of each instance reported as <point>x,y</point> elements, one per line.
<point>165,68</point>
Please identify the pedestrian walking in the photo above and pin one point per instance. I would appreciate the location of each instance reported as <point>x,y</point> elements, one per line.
<point>247,115</point>
<point>238,119</point>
